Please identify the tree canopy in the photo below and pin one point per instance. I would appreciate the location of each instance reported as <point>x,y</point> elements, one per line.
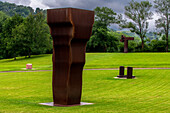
<point>163,9</point>
<point>139,14</point>
<point>101,39</point>
<point>104,16</point>
<point>25,36</point>
<point>12,9</point>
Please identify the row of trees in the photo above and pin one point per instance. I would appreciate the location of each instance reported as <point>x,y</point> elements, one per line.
<point>24,36</point>
<point>11,9</point>
<point>109,41</point>
<point>138,14</point>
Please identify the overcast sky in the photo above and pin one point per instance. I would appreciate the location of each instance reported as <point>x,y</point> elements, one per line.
<point>116,5</point>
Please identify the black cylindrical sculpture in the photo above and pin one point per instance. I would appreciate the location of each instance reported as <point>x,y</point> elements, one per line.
<point>121,71</point>
<point>71,29</point>
<point>129,72</point>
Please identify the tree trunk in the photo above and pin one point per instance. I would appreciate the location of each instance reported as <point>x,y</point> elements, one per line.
<point>105,48</point>
<point>29,56</point>
<point>166,42</point>
<point>142,44</point>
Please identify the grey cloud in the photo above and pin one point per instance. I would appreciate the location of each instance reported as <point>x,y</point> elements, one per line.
<point>116,5</point>
<point>86,4</point>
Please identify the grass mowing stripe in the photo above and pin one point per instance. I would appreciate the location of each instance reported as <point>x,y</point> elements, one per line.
<point>93,60</point>
<point>21,92</point>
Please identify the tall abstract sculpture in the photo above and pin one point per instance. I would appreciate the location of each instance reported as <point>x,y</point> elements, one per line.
<point>125,40</point>
<point>71,29</point>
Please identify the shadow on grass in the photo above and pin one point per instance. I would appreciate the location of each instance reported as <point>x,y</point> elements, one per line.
<point>23,58</point>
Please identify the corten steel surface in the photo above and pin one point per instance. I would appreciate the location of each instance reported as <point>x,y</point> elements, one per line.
<point>121,71</point>
<point>129,72</point>
<point>71,29</point>
<point>125,40</point>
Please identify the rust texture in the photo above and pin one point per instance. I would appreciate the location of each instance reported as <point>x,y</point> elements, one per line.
<point>129,72</point>
<point>125,40</point>
<point>71,29</point>
<point>121,71</point>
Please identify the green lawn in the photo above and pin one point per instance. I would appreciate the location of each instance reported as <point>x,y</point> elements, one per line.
<point>149,93</point>
<point>40,62</point>
<point>114,60</point>
<point>93,60</point>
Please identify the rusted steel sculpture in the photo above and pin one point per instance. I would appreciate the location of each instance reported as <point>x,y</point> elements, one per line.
<point>71,29</point>
<point>129,72</point>
<point>125,40</point>
<point>121,72</point>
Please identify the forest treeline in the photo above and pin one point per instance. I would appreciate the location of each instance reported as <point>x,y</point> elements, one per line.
<point>12,9</point>
<point>24,32</point>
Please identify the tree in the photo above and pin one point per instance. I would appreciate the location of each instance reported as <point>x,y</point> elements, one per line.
<point>157,45</point>
<point>3,17</point>
<point>104,16</point>
<point>101,39</point>
<point>163,9</point>
<point>12,9</point>
<point>7,39</point>
<point>138,13</point>
<point>33,35</point>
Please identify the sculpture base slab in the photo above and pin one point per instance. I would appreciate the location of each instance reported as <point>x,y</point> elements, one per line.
<point>124,77</point>
<point>52,104</point>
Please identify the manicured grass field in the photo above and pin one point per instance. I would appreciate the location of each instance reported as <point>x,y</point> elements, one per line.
<point>93,60</point>
<point>149,93</point>
<point>114,60</point>
<point>40,62</point>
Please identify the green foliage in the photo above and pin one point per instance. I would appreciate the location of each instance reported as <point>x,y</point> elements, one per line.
<point>163,9</point>
<point>138,13</point>
<point>12,9</point>
<point>158,45</point>
<point>33,35</point>
<point>109,41</point>
<point>104,16</point>
<point>102,41</point>
<point>8,48</point>
<point>146,48</point>
<point>25,36</point>
<point>3,17</point>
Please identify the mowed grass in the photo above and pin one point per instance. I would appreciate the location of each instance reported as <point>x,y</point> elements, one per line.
<point>148,93</point>
<point>114,60</point>
<point>93,60</point>
<point>39,62</point>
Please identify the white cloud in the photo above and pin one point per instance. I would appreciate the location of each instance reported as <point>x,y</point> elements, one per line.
<point>152,22</point>
<point>35,3</point>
